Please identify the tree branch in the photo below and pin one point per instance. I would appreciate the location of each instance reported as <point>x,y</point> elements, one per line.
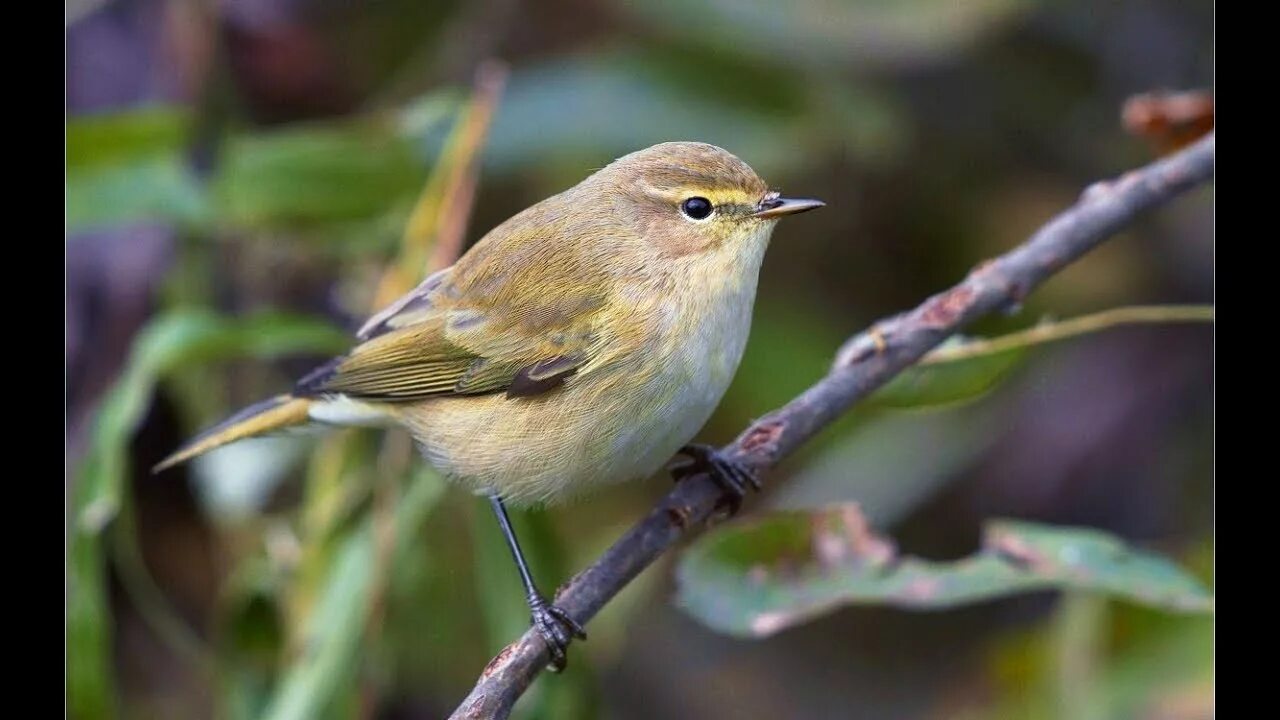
<point>863,364</point>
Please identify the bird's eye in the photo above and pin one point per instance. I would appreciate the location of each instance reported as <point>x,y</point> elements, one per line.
<point>696,208</point>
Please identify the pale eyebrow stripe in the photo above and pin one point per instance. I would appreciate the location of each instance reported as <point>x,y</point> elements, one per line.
<point>674,195</point>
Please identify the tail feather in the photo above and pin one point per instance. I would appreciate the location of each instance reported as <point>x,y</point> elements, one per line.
<point>281,411</point>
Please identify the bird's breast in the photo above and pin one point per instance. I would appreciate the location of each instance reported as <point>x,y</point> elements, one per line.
<point>687,369</point>
<point>621,420</point>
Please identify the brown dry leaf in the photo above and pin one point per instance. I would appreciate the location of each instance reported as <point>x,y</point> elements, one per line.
<point>1169,121</point>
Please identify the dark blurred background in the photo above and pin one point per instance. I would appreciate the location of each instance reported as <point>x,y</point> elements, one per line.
<point>230,159</point>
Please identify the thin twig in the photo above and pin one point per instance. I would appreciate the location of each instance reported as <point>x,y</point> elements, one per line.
<point>866,362</point>
<point>1063,329</point>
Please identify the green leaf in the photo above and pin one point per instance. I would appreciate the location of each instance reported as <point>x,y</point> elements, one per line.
<point>159,189</point>
<point>756,578</point>
<point>129,167</point>
<point>947,382</point>
<point>122,137</point>
<point>316,174</point>
<point>90,691</point>
<point>1146,664</point>
<point>563,113</point>
<point>132,166</point>
<point>332,634</point>
<point>331,639</point>
<point>168,342</point>
<point>963,368</point>
<point>252,636</point>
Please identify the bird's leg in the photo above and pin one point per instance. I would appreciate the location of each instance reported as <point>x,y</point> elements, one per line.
<point>733,477</point>
<point>555,625</point>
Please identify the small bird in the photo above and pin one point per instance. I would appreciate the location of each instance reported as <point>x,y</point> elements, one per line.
<point>583,341</point>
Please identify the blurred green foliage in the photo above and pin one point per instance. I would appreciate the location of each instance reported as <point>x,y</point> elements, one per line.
<point>331,639</point>
<point>132,167</point>
<point>171,342</point>
<point>966,379</point>
<point>353,585</point>
<point>759,577</point>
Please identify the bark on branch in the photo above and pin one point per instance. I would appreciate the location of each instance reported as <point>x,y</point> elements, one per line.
<point>863,364</point>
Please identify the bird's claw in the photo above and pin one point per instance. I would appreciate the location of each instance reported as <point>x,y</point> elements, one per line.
<point>557,629</point>
<point>733,477</point>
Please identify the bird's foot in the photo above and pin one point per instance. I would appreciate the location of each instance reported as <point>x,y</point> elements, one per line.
<point>557,629</point>
<point>733,477</point>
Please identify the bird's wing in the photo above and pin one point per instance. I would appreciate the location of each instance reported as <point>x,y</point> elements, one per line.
<point>413,307</point>
<point>472,329</point>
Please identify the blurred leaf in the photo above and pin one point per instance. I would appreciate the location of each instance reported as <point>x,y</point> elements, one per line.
<point>331,639</point>
<point>427,586</point>
<point>1078,652</point>
<point>90,689</point>
<point>167,342</point>
<point>253,636</point>
<point>568,112</point>
<point>963,368</point>
<point>160,188</point>
<point>756,578</point>
<point>1169,121</point>
<point>1053,331</point>
<point>332,634</point>
<point>426,117</point>
<point>1173,664</point>
<point>147,598</point>
<point>425,490</point>
<point>333,515</point>
<point>113,138</point>
<point>131,167</point>
<point>128,167</point>
<point>316,174</point>
<point>1156,666</point>
<point>947,382</point>
<point>817,33</point>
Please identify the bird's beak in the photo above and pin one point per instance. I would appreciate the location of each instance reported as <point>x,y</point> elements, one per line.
<point>773,206</point>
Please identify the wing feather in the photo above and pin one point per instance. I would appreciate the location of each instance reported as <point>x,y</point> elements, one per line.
<point>467,331</point>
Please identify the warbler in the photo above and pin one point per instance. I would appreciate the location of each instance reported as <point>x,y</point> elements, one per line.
<point>583,341</point>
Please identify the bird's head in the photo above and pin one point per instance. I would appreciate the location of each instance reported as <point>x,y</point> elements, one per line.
<point>689,198</point>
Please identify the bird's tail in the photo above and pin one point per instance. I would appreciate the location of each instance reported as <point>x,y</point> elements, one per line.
<point>278,413</point>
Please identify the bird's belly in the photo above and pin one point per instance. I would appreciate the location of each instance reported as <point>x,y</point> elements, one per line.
<point>614,425</point>
<point>682,402</point>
